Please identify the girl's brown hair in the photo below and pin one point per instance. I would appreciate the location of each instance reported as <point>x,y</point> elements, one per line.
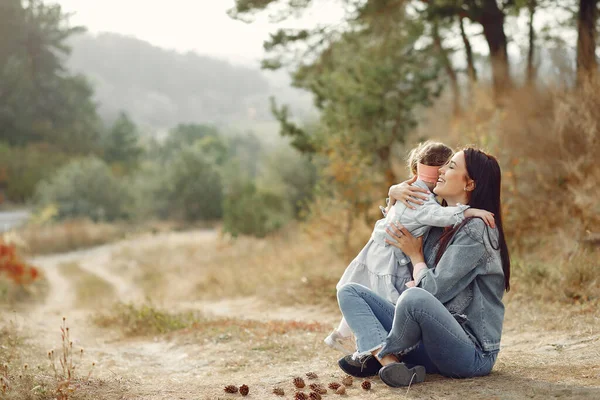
<point>430,153</point>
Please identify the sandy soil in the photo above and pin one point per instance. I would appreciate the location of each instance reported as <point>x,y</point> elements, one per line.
<point>538,359</point>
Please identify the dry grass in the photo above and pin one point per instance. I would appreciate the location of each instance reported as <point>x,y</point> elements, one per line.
<point>69,235</point>
<point>548,142</point>
<point>16,295</point>
<point>291,268</point>
<point>90,290</point>
<point>28,374</point>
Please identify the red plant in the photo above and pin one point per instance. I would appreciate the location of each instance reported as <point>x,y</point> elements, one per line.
<point>15,268</point>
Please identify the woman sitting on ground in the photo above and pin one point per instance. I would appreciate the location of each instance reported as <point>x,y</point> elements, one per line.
<point>451,322</point>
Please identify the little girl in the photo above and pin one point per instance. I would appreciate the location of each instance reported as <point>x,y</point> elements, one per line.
<point>384,268</point>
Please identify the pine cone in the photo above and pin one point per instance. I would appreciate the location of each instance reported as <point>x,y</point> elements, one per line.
<point>347,381</point>
<point>317,387</point>
<point>300,396</point>
<point>314,396</point>
<point>278,392</point>
<point>311,375</point>
<point>299,382</point>
<point>334,385</point>
<point>341,390</point>
<point>366,385</point>
<point>244,390</point>
<point>231,389</point>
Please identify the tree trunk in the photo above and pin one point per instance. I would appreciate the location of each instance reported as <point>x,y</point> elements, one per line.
<point>586,40</point>
<point>471,71</point>
<point>384,154</point>
<point>491,19</point>
<point>530,53</point>
<point>443,54</point>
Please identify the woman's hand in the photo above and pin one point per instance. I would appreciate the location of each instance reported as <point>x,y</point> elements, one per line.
<point>407,194</point>
<point>405,241</point>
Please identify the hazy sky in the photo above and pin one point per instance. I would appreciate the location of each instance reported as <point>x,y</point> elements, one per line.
<point>200,25</point>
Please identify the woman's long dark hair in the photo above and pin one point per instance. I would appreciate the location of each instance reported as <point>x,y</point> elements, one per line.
<point>485,171</point>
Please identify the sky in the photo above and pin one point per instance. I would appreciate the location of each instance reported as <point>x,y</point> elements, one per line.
<point>199,25</point>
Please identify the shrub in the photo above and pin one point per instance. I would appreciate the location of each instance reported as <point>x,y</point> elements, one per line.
<point>22,168</point>
<point>188,186</point>
<point>291,175</point>
<point>85,188</point>
<point>249,211</point>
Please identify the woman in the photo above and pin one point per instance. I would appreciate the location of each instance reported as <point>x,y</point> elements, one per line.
<point>451,322</point>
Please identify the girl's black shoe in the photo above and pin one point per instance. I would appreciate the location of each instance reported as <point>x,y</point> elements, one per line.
<point>362,368</point>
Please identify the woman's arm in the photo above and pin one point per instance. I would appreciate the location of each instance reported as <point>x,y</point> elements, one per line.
<point>460,260</point>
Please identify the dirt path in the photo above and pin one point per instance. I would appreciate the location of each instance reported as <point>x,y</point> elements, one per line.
<point>534,362</point>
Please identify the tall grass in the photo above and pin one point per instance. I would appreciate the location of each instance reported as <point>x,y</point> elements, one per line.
<point>548,143</point>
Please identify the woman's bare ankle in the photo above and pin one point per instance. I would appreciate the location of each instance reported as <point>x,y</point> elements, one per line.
<point>385,360</point>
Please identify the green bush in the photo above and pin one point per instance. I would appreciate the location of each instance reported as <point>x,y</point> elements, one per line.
<point>249,211</point>
<point>85,188</point>
<point>290,174</point>
<point>186,186</point>
<point>22,168</point>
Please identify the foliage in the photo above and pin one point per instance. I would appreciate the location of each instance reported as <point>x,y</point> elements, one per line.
<point>85,188</point>
<point>145,319</point>
<point>21,168</point>
<point>39,100</point>
<point>292,175</point>
<point>121,144</point>
<point>186,185</point>
<point>368,79</point>
<point>248,210</point>
<point>14,267</point>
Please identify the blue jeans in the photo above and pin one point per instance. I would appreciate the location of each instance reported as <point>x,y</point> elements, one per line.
<point>419,329</point>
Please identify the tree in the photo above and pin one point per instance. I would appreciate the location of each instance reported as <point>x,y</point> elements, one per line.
<point>442,53</point>
<point>370,104</point>
<point>39,100</point>
<point>587,64</point>
<point>122,146</point>
<point>471,71</point>
<point>531,6</point>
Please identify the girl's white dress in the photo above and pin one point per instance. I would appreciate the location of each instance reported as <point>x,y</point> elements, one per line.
<point>384,268</point>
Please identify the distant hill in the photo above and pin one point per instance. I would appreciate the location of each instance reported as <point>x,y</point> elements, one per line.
<point>160,88</point>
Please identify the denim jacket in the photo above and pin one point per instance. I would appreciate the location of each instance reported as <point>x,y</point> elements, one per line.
<point>419,221</point>
<point>468,280</point>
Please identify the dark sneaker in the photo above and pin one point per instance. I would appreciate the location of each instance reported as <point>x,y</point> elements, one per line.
<point>398,374</point>
<point>367,366</point>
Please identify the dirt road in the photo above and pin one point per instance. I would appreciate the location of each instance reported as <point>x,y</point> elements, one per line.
<point>538,358</point>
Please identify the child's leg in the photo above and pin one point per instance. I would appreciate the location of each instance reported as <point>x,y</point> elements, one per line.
<point>341,338</point>
<point>343,328</point>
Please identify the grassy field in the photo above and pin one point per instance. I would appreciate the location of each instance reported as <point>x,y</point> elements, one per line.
<point>184,314</point>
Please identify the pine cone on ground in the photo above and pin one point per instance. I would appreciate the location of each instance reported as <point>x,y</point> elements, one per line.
<point>317,387</point>
<point>300,396</point>
<point>334,385</point>
<point>299,382</point>
<point>244,390</point>
<point>231,389</point>
<point>314,396</point>
<point>347,381</point>
<point>278,391</point>
<point>366,385</point>
<point>341,390</point>
<point>311,375</point>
